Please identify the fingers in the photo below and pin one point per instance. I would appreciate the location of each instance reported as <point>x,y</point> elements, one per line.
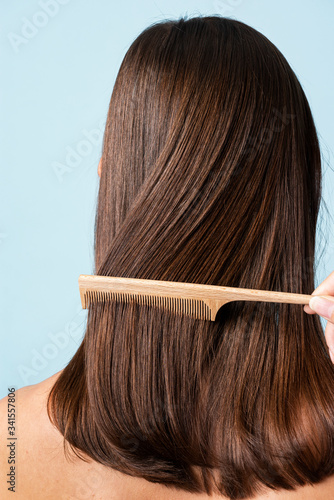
<point>325,288</point>
<point>308,310</point>
<point>325,308</point>
<point>329,335</point>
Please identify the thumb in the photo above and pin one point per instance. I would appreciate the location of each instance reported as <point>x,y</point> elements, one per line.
<point>324,306</point>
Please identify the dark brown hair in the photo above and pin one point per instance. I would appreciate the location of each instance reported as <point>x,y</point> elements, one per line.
<point>211,173</point>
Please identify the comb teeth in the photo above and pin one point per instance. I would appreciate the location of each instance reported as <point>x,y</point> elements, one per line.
<point>190,307</point>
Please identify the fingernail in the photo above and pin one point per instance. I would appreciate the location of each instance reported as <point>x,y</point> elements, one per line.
<point>322,306</point>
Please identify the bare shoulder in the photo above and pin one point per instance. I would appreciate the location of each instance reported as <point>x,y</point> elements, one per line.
<point>42,471</point>
<point>23,422</point>
<point>321,491</point>
<point>35,466</point>
<point>9,440</point>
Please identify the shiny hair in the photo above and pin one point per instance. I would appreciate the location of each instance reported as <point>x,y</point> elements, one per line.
<point>211,173</point>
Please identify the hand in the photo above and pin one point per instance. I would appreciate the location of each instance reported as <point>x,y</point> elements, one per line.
<point>325,308</point>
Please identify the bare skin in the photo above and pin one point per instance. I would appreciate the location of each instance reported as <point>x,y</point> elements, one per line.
<point>326,309</point>
<point>43,472</point>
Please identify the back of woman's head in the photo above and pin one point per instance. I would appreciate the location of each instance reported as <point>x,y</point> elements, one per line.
<point>211,173</point>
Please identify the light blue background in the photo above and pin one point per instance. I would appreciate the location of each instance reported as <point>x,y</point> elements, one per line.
<point>56,82</point>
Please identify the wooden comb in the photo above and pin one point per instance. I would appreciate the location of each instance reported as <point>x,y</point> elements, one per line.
<point>199,301</point>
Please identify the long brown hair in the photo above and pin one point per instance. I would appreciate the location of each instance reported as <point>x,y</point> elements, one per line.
<point>211,173</point>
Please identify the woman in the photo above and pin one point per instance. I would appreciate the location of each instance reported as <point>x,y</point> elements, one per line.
<point>210,173</point>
